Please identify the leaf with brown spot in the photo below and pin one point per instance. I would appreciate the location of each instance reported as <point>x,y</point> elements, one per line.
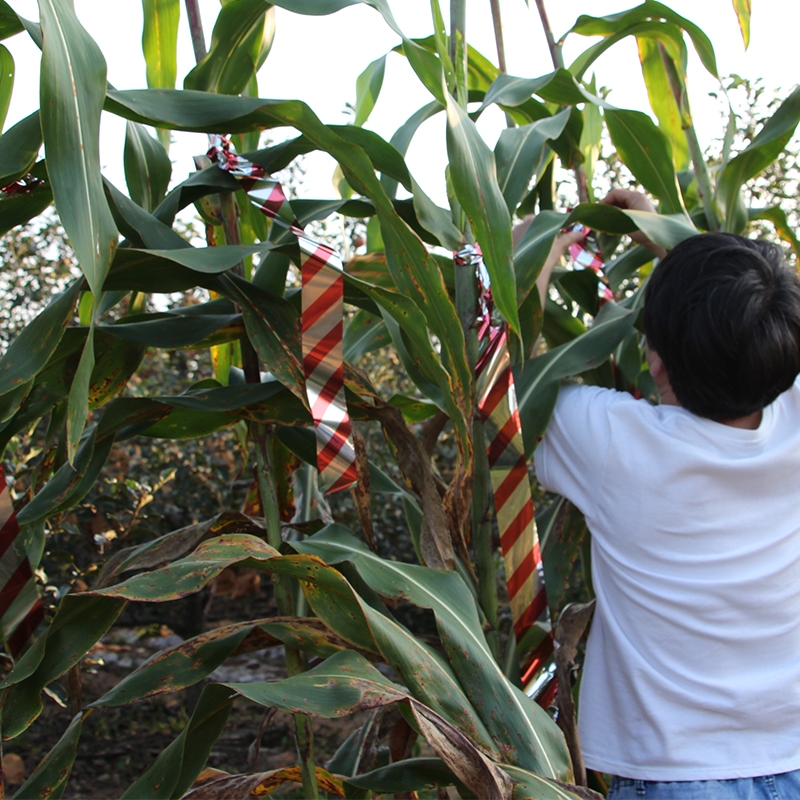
<point>173,545</point>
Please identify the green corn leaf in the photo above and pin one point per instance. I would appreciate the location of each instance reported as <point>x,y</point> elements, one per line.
<point>240,42</point>
<point>742,10</point>
<point>364,333</point>
<point>556,87</point>
<point>662,98</point>
<point>160,42</point>
<point>537,383</point>
<point>78,402</point>
<point>6,83</point>
<point>756,157</point>
<point>78,624</point>
<point>777,216</point>
<point>522,153</point>
<point>368,87</point>
<point>666,32</point>
<point>19,146</point>
<point>529,784</point>
<point>18,209</point>
<point>409,775</point>
<point>647,152</point>
<point>472,170</point>
<point>147,167</point>
<point>73,87</point>
<point>31,349</point>
<point>10,23</point>
<point>534,247</point>
<point>175,770</point>
<point>49,779</point>
<point>403,136</point>
<point>172,329</point>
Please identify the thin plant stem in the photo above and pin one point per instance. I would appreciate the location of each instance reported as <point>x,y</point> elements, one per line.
<point>498,35</point>
<point>558,62</point>
<point>196,28</point>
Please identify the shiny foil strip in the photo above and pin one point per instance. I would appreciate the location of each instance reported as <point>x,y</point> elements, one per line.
<point>516,521</point>
<point>322,311</point>
<point>21,608</point>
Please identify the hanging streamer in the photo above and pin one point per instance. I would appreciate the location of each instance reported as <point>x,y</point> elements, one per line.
<point>322,309</point>
<point>522,559</point>
<point>21,608</point>
<point>587,255</point>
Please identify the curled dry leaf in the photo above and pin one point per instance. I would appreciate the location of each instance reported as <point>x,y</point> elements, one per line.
<point>571,624</point>
<point>435,539</point>
<point>244,787</point>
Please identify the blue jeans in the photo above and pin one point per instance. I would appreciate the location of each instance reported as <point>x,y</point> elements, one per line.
<point>785,786</point>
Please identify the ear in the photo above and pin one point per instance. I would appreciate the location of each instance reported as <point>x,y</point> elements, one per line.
<point>655,365</point>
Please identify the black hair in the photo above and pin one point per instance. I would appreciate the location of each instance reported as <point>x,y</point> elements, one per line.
<point>723,314</point>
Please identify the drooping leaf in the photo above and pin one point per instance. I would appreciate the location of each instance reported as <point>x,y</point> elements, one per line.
<point>403,135</point>
<point>147,167</point>
<point>534,247</point>
<point>528,784</point>
<point>261,784</point>
<point>33,346</point>
<point>368,87</point>
<point>474,177</point>
<point>73,88</point>
<point>409,775</point>
<point>647,152</point>
<point>556,87</point>
<point>649,10</point>
<point>10,23</point>
<point>240,42</point>
<point>19,146</point>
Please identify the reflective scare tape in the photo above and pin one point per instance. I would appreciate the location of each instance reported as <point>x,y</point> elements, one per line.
<point>322,313</point>
<point>516,521</point>
<point>21,608</point>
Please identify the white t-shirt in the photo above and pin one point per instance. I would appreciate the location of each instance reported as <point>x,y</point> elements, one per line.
<point>693,662</point>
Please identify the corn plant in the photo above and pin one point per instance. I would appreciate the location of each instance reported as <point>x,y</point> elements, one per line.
<point>66,373</point>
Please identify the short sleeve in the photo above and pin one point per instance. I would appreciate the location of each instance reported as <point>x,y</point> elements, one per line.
<point>570,459</point>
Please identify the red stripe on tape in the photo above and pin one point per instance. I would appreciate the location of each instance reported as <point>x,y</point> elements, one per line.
<point>516,475</point>
<point>328,301</point>
<point>9,533</point>
<point>496,394</point>
<point>322,349</point>
<point>16,583</point>
<point>503,439</point>
<point>509,536</point>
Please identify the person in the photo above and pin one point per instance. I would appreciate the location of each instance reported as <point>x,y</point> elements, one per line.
<point>691,682</point>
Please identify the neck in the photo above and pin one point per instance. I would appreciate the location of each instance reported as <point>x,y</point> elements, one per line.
<point>750,422</point>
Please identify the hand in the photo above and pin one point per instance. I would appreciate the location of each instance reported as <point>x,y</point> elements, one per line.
<point>635,201</point>
<point>560,245</point>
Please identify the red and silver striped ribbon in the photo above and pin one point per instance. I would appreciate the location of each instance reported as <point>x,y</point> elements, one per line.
<point>322,304</point>
<point>586,255</point>
<point>21,608</point>
<point>522,558</point>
